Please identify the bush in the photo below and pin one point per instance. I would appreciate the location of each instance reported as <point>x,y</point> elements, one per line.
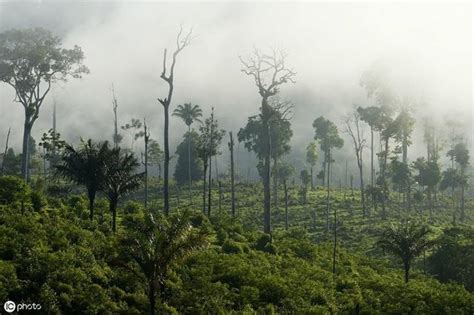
<point>221,236</point>
<point>133,207</point>
<point>37,201</point>
<point>262,241</point>
<point>231,247</point>
<point>12,189</point>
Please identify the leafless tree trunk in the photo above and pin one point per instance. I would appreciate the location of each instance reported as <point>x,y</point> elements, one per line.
<point>189,167</point>
<point>328,159</point>
<point>209,192</point>
<point>114,108</point>
<point>354,130</point>
<point>6,149</point>
<point>285,188</point>
<point>146,137</point>
<point>204,187</point>
<point>275,181</point>
<point>232,179</point>
<point>181,43</point>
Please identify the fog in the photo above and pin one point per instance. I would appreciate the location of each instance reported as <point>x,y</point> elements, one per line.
<point>425,51</point>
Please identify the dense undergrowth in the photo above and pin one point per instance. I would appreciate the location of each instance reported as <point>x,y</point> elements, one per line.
<point>53,255</point>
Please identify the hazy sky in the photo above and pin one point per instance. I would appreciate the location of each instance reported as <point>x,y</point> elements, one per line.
<point>425,48</point>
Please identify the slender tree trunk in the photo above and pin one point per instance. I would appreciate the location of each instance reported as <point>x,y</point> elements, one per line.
<point>152,297</point>
<point>285,188</point>
<point>430,201</point>
<point>26,149</point>
<point>324,171</point>
<point>384,193</point>
<point>454,204</point>
<point>372,175</point>
<point>44,163</point>
<point>312,181</point>
<point>372,170</point>
<point>204,188</point>
<point>209,191</point>
<point>113,209</point>
<point>232,180</point>
<point>362,193</point>
<point>189,166</point>
<point>266,169</point>
<point>335,243</point>
<point>146,169</point>
<point>352,185</point>
<point>91,196</point>
<point>462,196</point>
<point>406,266</point>
<point>248,168</point>
<point>328,158</point>
<point>167,162</point>
<point>275,182</point>
<point>6,150</point>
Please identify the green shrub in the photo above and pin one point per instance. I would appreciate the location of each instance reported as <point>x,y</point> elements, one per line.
<point>12,189</point>
<point>231,247</point>
<point>262,241</point>
<point>221,236</point>
<point>37,201</point>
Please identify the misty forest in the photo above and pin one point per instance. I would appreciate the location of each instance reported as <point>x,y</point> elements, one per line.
<point>236,158</point>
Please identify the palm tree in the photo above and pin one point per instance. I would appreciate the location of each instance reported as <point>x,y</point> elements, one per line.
<point>188,113</point>
<point>153,244</point>
<point>120,178</point>
<point>407,240</point>
<point>85,166</point>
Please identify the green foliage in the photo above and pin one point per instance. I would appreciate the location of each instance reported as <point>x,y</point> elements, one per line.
<point>252,135</point>
<point>11,163</point>
<point>72,265</point>
<point>327,134</point>
<point>210,137</point>
<point>311,154</point>
<point>37,200</point>
<point>188,113</point>
<point>453,257</point>
<point>406,240</point>
<point>232,247</point>
<point>53,145</point>
<point>181,171</point>
<point>13,189</point>
<point>429,173</point>
<point>85,166</point>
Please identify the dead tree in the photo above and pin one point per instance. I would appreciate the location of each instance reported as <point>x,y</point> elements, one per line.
<point>209,190</point>
<point>269,73</point>
<point>6,149</point>
<point>117,138</point>
<point>146,138</point>
<point>354,130</point>
<point>232,182</point>
<point>181,43</point>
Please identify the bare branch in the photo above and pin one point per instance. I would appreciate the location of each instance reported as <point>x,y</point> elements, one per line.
<point>268,71</point>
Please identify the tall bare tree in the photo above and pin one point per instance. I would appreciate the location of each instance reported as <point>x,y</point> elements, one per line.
<point>117,138</point>
<point>354,130</point>
<point>182,41</point>
<point>6,150</point>
<point>145,133</point>
<point>232,178</point>
<point>269,73</point>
